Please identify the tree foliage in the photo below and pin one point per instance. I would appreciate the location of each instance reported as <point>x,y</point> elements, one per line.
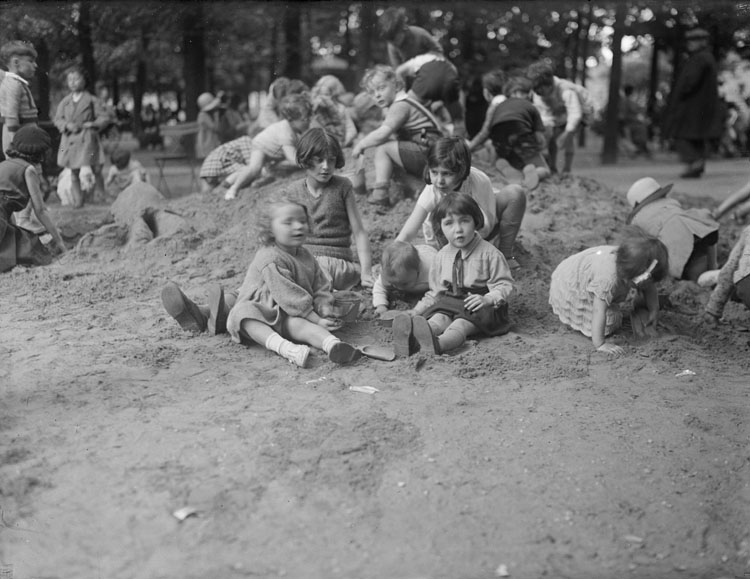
<point>148,46</point>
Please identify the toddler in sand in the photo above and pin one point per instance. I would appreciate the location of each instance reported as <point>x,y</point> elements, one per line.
<point>470,282</point>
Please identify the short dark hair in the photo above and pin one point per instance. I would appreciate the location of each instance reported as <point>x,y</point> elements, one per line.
<point>120,158</point>
<point>452,153</point>
<point>636,252</point>
<point>317,142</point>
<point>540,74</point>
<point>517,84</point>
<point>456,204</point>
<point>17,48</point>
<point>398,257</point>
<point>392,21</point>
<point>493,82</point>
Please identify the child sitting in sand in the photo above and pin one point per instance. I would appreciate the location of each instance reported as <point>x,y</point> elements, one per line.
<point>587,288</point>
<point>404,270</point>
<point>413,125</point>
<point>733,280</point>
<point>285,294</point>
<point>449,170</point>
<point>690,235</point>
<point>470,283</point>
<point>124,172</point>
<point>334,216</point>
<point>276,143</point>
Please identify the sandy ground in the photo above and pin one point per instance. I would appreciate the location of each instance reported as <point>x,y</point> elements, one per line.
<point>526,453</point>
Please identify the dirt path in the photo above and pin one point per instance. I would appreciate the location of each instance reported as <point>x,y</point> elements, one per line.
<point>526,450</point>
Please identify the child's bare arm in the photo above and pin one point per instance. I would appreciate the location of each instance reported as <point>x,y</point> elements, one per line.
<point>373,139</point>
<point>598,324</point>
<point>742,194</point>
<point>37,202</point>
<point>484,132</point>
<point>413,223</point>
<point>361,240</point>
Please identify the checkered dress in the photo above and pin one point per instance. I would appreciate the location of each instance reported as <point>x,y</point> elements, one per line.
<point>227,158</point>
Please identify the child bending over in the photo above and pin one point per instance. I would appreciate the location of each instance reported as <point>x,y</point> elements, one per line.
<point>124,172</point>
<point>560,106</point>
<point>405,270</point>
<point>587,288</point>
<point>334,216</point>
<point>414,127</point>
<point>690,235</point>
<point>276,143</point>
<point>517,133</point>
<point>329,112</point>
<point>20,176</point>
<point>493,83</point>
<point>470,282</point>
<point>449,170</point>
<point>733,280</point>
<point>419,60</point>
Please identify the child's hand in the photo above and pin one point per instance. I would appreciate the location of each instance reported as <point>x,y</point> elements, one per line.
<point>380,310</point>
<point>366,280</point>
<point>357,150</point>
<point>709,319</point>
<point>612,350</point>
<point>475,302</point>
<point>330,324</point>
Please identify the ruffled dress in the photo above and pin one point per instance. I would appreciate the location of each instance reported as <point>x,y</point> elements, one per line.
<point>581,278</point>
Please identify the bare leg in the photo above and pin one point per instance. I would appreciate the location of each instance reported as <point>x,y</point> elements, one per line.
<point>511,206</point>
<point>245,177</point>
<point>455,334</point>
<point>386,155</point>
<point>99,193</point>
<point>75,187</point>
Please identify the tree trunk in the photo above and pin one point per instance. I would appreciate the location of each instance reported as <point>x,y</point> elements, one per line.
<point>85,43</point>
<point>573,72</point>
<point>139,87</point>
<point>115,90</point>
<point>193,57</point>
<point>653,84</point>
<point>42,77</point>
<point>367,30</point>
<point>292,41</point>
<point>584,71</point>
<point>611,132</point>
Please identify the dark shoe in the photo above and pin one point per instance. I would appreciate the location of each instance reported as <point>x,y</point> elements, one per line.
<point>217,319</point>
<point>401,329</point>
<point>428,342</point>
<point>343,353</point>
<point>692,174</point>
<point>182,309</point>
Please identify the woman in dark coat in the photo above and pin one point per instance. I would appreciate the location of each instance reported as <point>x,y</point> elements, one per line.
<point>693,116</point>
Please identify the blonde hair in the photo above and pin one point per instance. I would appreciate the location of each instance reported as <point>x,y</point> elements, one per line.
<point>387,72</point>
<point>328,85</point>
<point>266,215</point>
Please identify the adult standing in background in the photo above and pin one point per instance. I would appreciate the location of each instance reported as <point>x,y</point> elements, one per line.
<point>693,117</point>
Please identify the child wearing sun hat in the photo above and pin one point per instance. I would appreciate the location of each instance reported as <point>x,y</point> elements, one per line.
<point>208,125</point>
<point>690,235</point>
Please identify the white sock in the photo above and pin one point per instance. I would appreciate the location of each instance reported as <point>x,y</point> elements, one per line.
<point>275,343</point>
<point>329,342</point>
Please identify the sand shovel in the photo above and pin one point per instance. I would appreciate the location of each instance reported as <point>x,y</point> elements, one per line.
<point>384,353</point>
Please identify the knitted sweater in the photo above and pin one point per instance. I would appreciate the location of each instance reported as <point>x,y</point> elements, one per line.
<point>330,230</point>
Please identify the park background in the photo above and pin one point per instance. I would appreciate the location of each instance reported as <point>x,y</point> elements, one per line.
<point>527,456</point>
